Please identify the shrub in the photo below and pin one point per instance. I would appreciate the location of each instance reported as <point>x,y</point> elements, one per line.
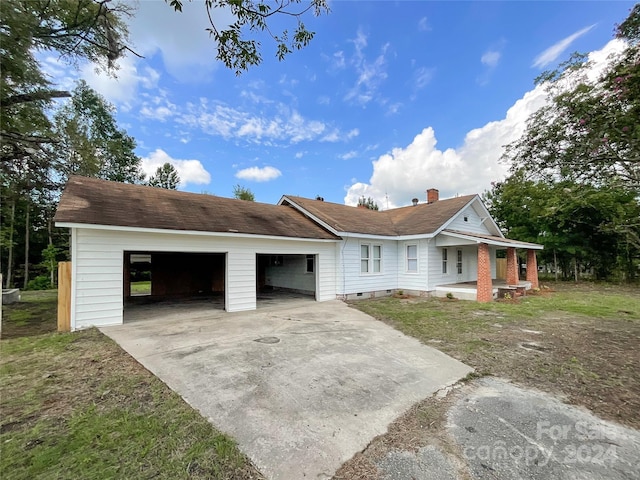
<point>41,282</point>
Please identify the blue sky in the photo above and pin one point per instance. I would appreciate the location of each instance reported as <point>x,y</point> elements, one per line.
<point>389,99</point>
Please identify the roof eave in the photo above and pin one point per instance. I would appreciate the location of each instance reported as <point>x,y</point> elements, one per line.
<point>121,228</point>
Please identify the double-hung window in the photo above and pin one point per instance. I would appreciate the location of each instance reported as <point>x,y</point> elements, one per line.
<point>370,258</point>
<point>412,258</point>
<point>444,260</point>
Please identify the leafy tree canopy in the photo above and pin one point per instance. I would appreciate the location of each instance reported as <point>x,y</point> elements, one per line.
<point>243,193</point>
<point>367,203</point>
<point>589,132</point>
<point>236,50</point>
<point>166,176</point>
<point>89,141</point>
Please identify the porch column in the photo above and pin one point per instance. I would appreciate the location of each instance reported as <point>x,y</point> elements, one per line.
<point>485,285</point>
<point>512,266</point>
<point>532,268</point>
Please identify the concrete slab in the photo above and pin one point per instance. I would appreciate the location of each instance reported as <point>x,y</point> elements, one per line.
<point>302,388</point>
<point>511,433</point>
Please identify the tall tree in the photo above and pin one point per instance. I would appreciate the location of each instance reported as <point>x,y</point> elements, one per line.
<point>166,176</point>
<point>579,225</point>
<point>589,132</point>
<point>367,203</point>
<point>90,142</point>
<point>243,193</point>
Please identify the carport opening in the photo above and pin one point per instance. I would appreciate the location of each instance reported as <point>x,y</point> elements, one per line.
<point>174,277</point>
<point>280,277</point>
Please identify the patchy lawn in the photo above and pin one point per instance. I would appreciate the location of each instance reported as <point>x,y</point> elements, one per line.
<point>579,342</point>
<point>76,405</point>
<point>35,314</point>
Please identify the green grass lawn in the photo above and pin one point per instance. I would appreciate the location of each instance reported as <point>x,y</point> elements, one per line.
<point>141,288</point>
<point>76,405</point>
<point>579,341</point>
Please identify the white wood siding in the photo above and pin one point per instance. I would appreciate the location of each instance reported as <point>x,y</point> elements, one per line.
<point>473,224</point>
<point>350,280</point>
<point>413,281</point>
<point>98,258</point>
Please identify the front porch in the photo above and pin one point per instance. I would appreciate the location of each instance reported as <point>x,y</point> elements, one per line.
<point>484,288</point>
<point>469,290</point>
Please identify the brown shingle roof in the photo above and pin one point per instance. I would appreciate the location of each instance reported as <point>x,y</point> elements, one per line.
<point>494,238</point>
<point>99,202</point>
<point>414,220</point>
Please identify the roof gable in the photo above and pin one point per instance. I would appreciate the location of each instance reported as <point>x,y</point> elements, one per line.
<point>100,202</point>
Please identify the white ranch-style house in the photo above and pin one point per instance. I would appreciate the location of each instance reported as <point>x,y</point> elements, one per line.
<point>233,250</point>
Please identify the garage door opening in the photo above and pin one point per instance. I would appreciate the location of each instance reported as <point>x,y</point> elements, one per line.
<point>283,277</point>
<point>178,278</point>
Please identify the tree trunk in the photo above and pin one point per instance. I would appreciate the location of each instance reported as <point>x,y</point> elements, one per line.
<point>555,264</point>
<point>11,228</point>
<point>575,268</point>
<point>26,248</point>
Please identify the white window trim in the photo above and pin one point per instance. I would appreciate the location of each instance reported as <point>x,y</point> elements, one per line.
<point>306,264</point>
<point>371,259</point>
<point>407,258</point>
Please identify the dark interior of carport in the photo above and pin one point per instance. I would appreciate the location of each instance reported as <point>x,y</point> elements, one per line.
<point>161,276</point>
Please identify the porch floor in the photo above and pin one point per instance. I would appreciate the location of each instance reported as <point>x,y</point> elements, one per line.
<point>469,290</point>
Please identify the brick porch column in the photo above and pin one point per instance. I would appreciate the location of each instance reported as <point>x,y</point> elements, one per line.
<point>532,268</point>
<point>485,285</point>
<point>512,266</point>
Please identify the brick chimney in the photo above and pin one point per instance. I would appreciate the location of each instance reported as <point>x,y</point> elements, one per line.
<point>433,195</point>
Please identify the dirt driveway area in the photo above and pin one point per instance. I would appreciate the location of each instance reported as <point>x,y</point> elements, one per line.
<point>302,388</point>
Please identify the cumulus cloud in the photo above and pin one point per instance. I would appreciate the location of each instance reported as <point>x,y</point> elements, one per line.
<point>554,51</point>
<point>407,172</point>
<point>258,174</point>
<point>423,25</point>
<point>190,171</point>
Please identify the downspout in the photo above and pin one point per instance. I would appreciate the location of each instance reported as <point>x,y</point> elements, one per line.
<point>427,264</point>
<point>344,276</point>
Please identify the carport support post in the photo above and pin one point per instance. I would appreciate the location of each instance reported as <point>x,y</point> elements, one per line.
<point>485,284</point>
<point>532,268</point>
<point>512,266</point>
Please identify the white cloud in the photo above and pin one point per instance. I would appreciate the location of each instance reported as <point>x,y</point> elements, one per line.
<point>187,50</point>
<point>490,58</point>
<point>370,73</point>
<point>190,171</point>
<point>423,25</point>
<point>554,51</point>
<point>124,87</point>
<point>349,155</point>
<point>299,154</point>
<point>258,174</point>
<point>407,172</point>
<point>285,124</point>
<point>423,76</point>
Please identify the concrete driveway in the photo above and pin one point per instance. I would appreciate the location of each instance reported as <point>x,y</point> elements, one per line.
<point>302,387</point>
